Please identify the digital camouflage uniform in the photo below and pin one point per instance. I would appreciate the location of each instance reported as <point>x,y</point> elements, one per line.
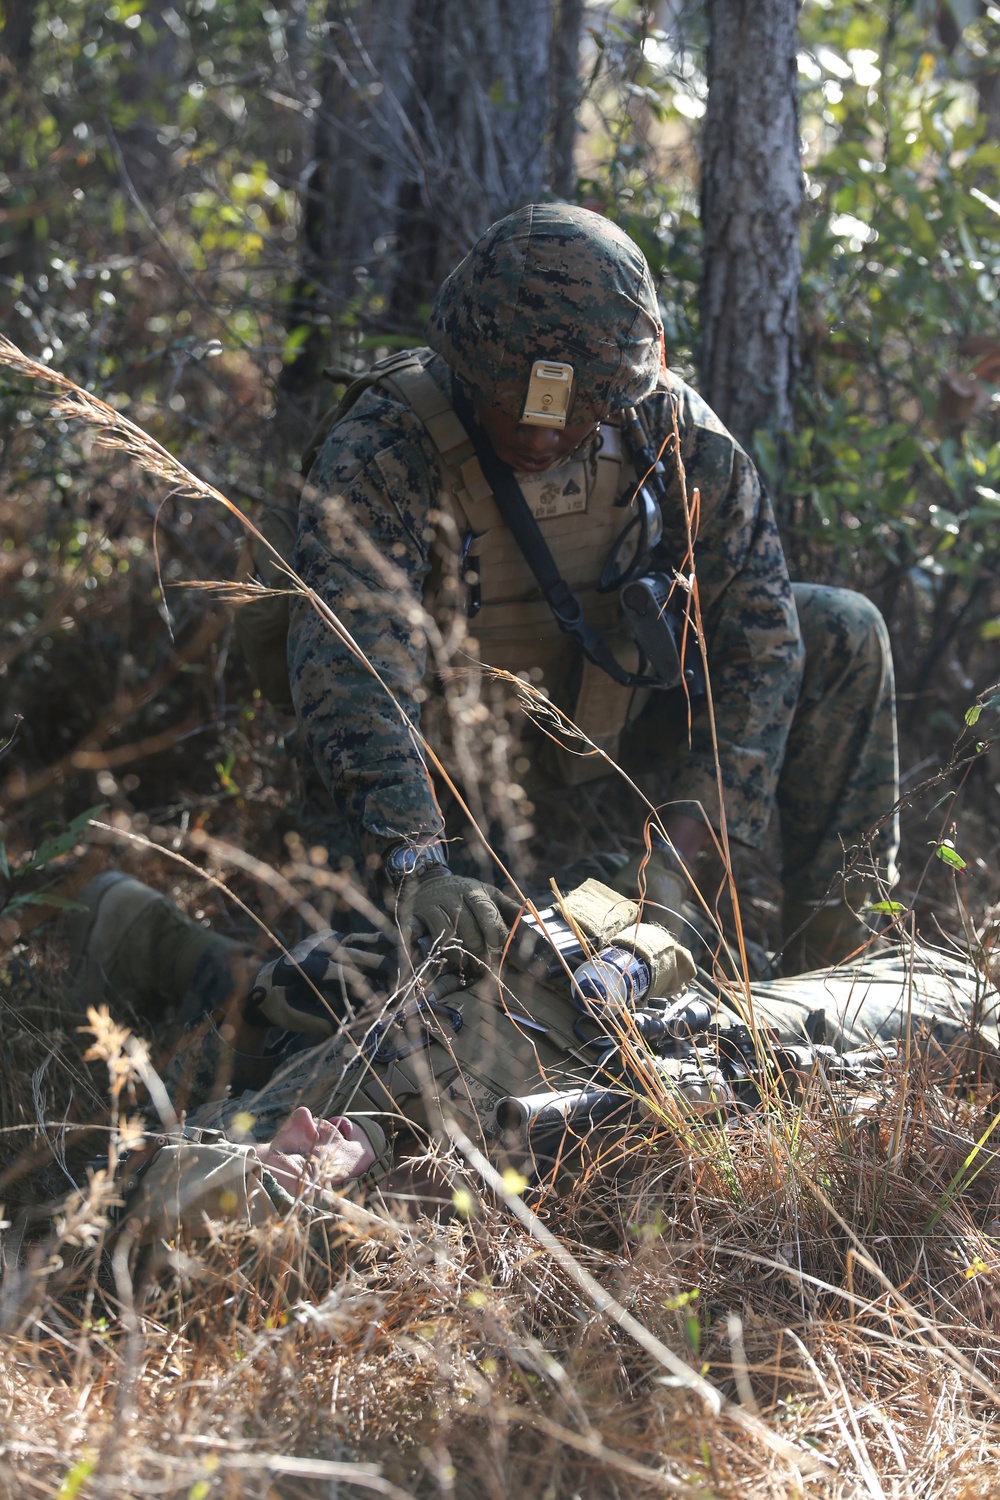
<point>801,676</point>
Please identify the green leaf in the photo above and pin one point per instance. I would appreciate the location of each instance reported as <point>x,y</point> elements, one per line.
<point>692,1329</point>
<point>972,714</point>
<point>63,842</point>
<point>40,898</point>
<point>75,1478</point>
<point>886,908</point>
<point>294,342</point>
<point>949,855</point>
<point>49,850</point>
<point>82,819</point>
<point>682,1299</point>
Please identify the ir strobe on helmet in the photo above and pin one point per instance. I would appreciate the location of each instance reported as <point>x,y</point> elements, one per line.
<point>556,284</point>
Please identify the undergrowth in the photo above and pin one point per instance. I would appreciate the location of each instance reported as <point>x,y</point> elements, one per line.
<point>833,1278</point>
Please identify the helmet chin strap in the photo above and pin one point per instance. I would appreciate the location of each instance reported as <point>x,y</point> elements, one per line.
<point>580,451</point>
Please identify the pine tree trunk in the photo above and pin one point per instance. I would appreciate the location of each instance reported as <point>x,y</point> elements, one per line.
<point>21,247</point>
<point>149,67</point>
<point>565,95</point>
<point>751,197</point>
<point>479,106</point>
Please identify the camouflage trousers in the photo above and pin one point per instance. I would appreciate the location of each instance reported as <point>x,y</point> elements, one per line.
<point>838,782</point>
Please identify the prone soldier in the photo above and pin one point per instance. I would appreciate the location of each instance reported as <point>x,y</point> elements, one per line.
<point>341,1051</point>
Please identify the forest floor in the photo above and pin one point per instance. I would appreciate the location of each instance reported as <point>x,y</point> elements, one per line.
<point>836,1285</point>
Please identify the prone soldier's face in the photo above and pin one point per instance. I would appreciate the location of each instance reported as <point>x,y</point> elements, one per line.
<point>309,1151</point>
<point>529,448</point>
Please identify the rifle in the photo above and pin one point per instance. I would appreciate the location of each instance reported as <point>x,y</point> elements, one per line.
<point>712,1071</point>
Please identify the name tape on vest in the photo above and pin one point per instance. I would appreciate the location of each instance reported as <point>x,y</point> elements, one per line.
<point>559,493</point>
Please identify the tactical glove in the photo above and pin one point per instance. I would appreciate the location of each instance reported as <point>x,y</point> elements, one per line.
<point>660,883</point>
<point>442,906</point>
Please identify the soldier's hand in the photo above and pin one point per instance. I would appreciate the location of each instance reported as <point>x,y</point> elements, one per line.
<point>446,907</point>
<point>657,880</point>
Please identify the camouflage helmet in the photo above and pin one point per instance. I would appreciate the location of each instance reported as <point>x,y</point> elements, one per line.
<point>552,282</point>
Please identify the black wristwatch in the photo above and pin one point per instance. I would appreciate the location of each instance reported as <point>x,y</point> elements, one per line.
<point>405,859</point>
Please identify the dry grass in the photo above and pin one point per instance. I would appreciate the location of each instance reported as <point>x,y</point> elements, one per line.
<point>823,1277</point>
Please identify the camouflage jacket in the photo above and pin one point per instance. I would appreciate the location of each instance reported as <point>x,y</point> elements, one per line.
<point>369,527</point>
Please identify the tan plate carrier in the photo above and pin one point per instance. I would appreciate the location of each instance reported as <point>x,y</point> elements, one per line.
<point>575,506</point>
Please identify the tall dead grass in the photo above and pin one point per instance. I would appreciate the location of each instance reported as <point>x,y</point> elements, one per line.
<point>820,1273</point>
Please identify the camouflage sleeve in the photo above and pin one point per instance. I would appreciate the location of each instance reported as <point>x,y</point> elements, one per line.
<point>364,543</point>
<point>755,651</point>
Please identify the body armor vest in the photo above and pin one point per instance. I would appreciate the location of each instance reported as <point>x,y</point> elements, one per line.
<point>575,507</point>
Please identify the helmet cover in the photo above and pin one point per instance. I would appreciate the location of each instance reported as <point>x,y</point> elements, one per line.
<point>552,282</point>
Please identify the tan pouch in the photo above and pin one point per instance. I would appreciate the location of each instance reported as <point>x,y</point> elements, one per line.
<point>671,964</point>
<point>606,916</point>
<point>600,911</point>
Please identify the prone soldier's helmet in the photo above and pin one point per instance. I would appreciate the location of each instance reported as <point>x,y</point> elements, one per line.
<point>551,318</point>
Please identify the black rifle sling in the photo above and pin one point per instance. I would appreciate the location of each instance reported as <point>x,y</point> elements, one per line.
<point>523,527</point>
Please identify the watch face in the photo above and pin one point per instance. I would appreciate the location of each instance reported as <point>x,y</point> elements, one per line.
<point>399,862</point>
<point>406,859</point>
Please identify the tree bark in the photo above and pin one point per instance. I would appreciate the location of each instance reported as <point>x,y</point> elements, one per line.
<point>437,118</point>
<point>18,244</point>
<point>15,34</point>
<point>149,66</point>
<point>565,95</point>
<point>751,198</point>
<point>479,107</point>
